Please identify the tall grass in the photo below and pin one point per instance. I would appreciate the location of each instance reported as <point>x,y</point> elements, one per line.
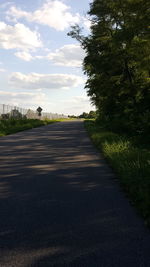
<point>12,126</point>
<point>131,164</point>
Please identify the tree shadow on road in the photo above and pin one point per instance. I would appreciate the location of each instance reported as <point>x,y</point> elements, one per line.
<point>59,204</point>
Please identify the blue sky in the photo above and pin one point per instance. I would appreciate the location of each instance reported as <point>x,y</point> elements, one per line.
<point>39,63</point>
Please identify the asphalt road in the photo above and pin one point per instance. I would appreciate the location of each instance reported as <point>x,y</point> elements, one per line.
<point>60,204</point>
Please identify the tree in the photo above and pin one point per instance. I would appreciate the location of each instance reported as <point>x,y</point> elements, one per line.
<point>84,115</point>
<point>117,60</point>
<point>92,114</point>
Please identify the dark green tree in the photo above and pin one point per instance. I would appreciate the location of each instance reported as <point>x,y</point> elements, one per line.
<point>92,114</point>
<point>84,115</point>
<point>117,60</point>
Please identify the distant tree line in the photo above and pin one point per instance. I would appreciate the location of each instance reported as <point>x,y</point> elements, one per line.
<point>90,115</point>
<point>85,115</point>
<point>117,62</point>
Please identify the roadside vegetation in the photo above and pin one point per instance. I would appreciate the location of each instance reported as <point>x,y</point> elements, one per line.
<point>11,126</point>
<point>118,83</point>
<point>117,62</point>
<point>129,158</point>
<point>84,115</point>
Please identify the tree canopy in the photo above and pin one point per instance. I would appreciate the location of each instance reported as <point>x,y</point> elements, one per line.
<point>117,61</point>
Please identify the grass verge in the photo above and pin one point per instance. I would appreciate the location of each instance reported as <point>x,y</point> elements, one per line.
<point>13,126</point>
<point>130,163</point>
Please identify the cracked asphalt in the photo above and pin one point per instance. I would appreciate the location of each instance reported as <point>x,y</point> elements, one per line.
<point>61,204</point>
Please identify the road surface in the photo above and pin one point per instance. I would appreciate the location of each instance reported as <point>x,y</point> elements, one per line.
<point>60,204</point>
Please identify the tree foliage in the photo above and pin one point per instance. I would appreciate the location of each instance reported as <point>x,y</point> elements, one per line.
<point>117,61</point>
<point>91,115</point>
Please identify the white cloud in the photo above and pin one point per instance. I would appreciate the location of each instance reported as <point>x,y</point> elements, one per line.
<point>26,56</point>
<point>23,99</point>
<point>77,105</point>
<point>4,5</point>
<point>87,23</point>
<point>54,14</point>
<point>2,70</point>
<point>69,55</point>
<point>18,37</point>
<point>45,81</point>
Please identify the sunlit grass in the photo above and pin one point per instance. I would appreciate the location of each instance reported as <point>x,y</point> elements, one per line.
<point>131,164</point>
<point>11,126</point>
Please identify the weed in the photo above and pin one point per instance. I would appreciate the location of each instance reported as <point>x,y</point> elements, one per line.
<point>130,162</point>
<point>13,126</point>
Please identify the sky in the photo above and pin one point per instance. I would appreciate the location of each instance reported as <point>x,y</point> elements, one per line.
<point>39,64</point>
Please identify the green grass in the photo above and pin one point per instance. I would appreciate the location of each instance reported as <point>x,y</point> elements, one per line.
<point>130,162</point>
<point>13,126</point>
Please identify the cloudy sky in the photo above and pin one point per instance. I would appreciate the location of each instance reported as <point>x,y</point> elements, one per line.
<point>39,63</point>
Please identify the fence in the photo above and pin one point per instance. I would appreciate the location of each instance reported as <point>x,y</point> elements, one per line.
<point>7,111</point>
